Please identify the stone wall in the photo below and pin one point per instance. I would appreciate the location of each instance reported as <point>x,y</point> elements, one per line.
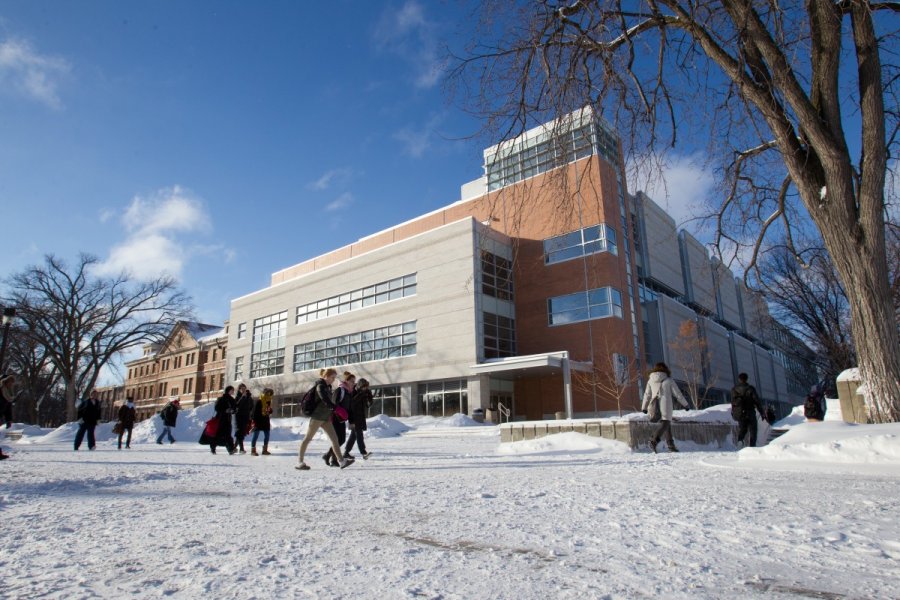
<point>634,433</point>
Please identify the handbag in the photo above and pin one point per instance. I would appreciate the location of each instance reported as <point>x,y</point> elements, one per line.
<point>341,413</point>
<point>212,427</point>
<point>653,410</point>
<point>118,428</point>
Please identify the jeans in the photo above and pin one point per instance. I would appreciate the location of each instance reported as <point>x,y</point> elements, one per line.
<point>167,431</point>
<point>664,429</point>
<point>82,428</point>
<point>128,440</point>
<point>748,425</point>
<point>256,435</point>
<point>357,436</point>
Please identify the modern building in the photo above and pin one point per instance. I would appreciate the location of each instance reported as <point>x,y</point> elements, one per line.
<point>188,365</point>
<point>522,298</point>
<point>705,323</point>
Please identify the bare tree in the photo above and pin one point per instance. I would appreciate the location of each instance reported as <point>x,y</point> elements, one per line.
<point>83,321</point>
<point>762,82</point>
<point>812,302</point>
<point>36,376</point>
<point>690,352</point>
<point>611,377</point>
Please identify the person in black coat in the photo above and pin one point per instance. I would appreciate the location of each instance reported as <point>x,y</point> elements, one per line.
<point>224,409</point>
<point>127,417</point>
<point>745,403</point>
<point>88,417</point>
<point>359,407</point>
<point>243,406</point>
<point>340,397</point>
<point>169,416</point>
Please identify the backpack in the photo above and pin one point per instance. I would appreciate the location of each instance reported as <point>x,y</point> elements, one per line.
<point>737,406</point>
<point>812,408</point>
<point>653,410</point>
<point>310,402</point>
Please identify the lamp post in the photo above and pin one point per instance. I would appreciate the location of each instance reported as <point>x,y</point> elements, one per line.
<point>8,314</point>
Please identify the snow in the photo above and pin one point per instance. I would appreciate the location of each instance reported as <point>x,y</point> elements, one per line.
<point>849,375</point>
<point>442,509</point>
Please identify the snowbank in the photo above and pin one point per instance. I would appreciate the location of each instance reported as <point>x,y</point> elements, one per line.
<point>721,413</point>
<point>833,442</point>
<point>564,443</point>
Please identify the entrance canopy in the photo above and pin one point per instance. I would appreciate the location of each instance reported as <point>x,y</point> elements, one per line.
<point>537,364</point>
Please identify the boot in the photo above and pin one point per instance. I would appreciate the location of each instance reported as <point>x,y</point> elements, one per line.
<point>266,450</point>
<point>672,448</point>
<point>253,451</point>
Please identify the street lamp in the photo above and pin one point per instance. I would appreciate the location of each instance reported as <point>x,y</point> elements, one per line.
<point>8,314</point>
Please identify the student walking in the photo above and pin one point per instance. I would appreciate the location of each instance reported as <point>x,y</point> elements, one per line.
<point>169,416</point>
<point>88,417</point>
<point>7,399</point>
<point>341,397</point>
<point>660,384</point>
<point>745,404</point>
<point>127,417</point>
<point>224,409</point>
<point>321,419</point>
<point>359,407</point>
<point>243,406</point>
<point>262,411</point>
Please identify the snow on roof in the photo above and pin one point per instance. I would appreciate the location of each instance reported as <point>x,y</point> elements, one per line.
<point>218,333</point>
<point>202,330</point>
<point>850,375</point>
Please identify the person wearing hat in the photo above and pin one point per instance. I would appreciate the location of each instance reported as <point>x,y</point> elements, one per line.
<point>169,415</point>
<point>359,407</point>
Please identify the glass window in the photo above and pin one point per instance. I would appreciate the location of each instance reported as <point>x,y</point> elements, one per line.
<point>374,344</point>
<point>267,350</point>
<point>442,398</point>
<point>582,306</point>
<point>590,240</point>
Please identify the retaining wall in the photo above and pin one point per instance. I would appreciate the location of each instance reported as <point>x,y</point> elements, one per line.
<point>634,433</point>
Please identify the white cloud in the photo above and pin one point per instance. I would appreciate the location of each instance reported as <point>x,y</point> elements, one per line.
<point>332,177</point>
<point>342,201</point>
<point>106,214</point>
<point>682,187</point>
<point>416,142</point>
<point>30,74</point>
<point>153,247</point>
<point>411,36</point>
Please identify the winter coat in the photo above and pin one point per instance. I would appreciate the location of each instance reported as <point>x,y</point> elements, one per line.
<point>127,416</point>
<point>325,406</point>
<point>89,412</point>
<point>262,408</point>
<point>665,387</point>
<point>745,396</point>
<point>224,409</point>
<point>243,406</point>
<point>169,415</point>
<point>6,405</point>
<point>359,406</point>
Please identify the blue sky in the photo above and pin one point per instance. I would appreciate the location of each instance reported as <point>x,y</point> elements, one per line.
<point>223,141</point>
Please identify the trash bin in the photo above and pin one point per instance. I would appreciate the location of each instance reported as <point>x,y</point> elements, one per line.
<point>560,416</point>
<point>478,415</point>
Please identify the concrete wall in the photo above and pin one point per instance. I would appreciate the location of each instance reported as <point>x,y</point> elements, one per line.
<point>672,315</point>
<point>721,373</point>
<point>742,354</point>
<point>660,240</point>
<point>727,294</point>
<point>699,286</point>
<point>635,433</point>
<point>443,307</point>
<point>765,384</point>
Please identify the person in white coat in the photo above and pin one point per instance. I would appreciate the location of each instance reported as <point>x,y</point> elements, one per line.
<point>660,383</point>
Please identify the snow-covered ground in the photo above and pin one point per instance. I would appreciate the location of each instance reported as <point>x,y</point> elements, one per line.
<point>443,510</point>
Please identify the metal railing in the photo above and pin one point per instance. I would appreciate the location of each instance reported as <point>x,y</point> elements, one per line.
<point>504,411</point>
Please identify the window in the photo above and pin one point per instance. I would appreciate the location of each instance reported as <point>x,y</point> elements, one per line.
<point>242,331</point>
<point>496,276</point>
<point>590,240</point>
<point>392,341</point>
<point>386,401</point>
<point>238,367</point>
<point>499,336</point>
<point>223,353</point>
<point>584,306</point>
<point>188,386</point>
<point>442,398</point>
<point>267,354</point>
<point>394,289</point>
<point>214,355</point>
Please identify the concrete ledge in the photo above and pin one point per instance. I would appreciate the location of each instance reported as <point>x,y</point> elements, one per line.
<point>634,433</point>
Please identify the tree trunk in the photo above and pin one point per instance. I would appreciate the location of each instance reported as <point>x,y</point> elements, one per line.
<point>71,395</point>
<point>874,326</point>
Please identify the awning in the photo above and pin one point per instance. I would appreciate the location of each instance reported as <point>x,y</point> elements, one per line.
<point>537,364</point>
